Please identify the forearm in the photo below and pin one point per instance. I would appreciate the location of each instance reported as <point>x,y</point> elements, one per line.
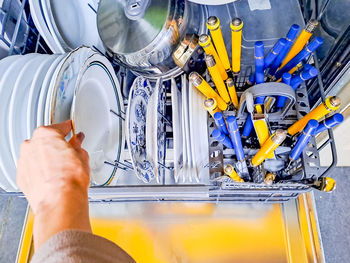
<point>69,211</point>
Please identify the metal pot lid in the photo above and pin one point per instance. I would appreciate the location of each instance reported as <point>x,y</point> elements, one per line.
<point>127,26</point>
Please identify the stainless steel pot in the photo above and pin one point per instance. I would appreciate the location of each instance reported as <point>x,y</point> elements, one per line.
<point>142,34</point>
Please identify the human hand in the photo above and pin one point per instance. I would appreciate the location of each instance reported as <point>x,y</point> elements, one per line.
<point>54,176</point>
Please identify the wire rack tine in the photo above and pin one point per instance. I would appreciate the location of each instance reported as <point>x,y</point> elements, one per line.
<point>116,114</point>
<point>99,51</point>
<point>15,33</point>
<point>128,166</point>
<point>166,120</point>
<point>166,167</point>
<point>119,164</point>
<point>93,9</point>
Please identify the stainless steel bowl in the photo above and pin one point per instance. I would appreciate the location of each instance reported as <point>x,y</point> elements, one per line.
<point>142,34</point>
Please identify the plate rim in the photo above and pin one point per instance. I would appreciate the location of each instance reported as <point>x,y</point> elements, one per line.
<point>32,107</point>
<point>18,60</point>
<point>55,33</point>
<point>50,102</point>
<point>40,24</point>
<point>177,122</point>
<point>127,121</point>
<point>94,59</point>
<point>44,89</point>
<point>13,104</point>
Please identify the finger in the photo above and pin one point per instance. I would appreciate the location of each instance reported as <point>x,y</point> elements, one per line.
<point>77,140</point>
<point>64,127</point>
<point>85,155</point>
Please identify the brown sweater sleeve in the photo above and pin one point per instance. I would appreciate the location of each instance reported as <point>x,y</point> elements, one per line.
<point>73,246</point>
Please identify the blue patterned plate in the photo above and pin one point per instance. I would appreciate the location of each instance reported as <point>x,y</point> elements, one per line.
<point>140,94</point>
<point>159,136</point>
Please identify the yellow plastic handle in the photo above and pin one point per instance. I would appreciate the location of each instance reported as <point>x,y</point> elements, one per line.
<point>219,83</point>
<point>262,131</point>
<point>232,91</point>
<point>219,43</point>
<point>236,39</point>
<point>265,150</point>
<point>207,91</point>
<point>210,50</point>
<point>316,114</point>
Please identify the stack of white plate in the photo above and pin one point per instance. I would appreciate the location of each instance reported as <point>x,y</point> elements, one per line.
<point>66,24</point>
<point>190,131</point>
<point>38,89</point>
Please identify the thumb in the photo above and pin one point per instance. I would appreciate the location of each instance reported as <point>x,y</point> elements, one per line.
<point>77,140</point>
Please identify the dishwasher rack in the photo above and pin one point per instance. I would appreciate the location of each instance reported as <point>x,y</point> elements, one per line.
<point>209,190</point>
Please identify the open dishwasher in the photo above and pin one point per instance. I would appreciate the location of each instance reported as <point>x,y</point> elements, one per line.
<point>201,188</point>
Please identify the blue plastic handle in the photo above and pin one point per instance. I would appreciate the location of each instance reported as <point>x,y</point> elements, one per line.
<point>292,33</point>
<point>232,125</point>
<point>281,100</point>
<point>220,122</point>
<point>235,137</point>
<point>277,48</point>
<point>286,78</point>
<point>248,127</point>
<point>220,137</point>
<point>303,139</point>
<point>307,67</point>
<point>308,73</point>
<point>259,62</point>
<point>314,44</point>
<point>259,67</point>
<point>329,123</point>
<point>252,78</point>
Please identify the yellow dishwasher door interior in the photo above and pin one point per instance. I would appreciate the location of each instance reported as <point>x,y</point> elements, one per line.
<point>206,232</point>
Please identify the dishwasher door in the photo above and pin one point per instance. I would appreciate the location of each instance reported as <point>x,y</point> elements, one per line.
<point>164,232</point>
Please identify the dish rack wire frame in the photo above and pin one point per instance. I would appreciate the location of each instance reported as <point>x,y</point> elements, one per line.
<point>205,193</point>
<point>33,42</point>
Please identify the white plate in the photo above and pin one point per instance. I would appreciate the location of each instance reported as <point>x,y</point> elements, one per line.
<point>34,92</point>
<point>157,108</point>
<point>8,80</point>
<point>151,140</point>
<point>185,105</point>
<point>39,21</point>
<point>193,128</point>
<point>19,102</point>
<point>97,93</point>
<point>177,129</point>
<point>190,170</point>
<point>63,84</point>
<point>5,181</point>
<point>72,23</point>
<point>161,129</point>
<point>44,90</point>
<point>199,134</point>
<point>140,93</point>
<point>185,168</point>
